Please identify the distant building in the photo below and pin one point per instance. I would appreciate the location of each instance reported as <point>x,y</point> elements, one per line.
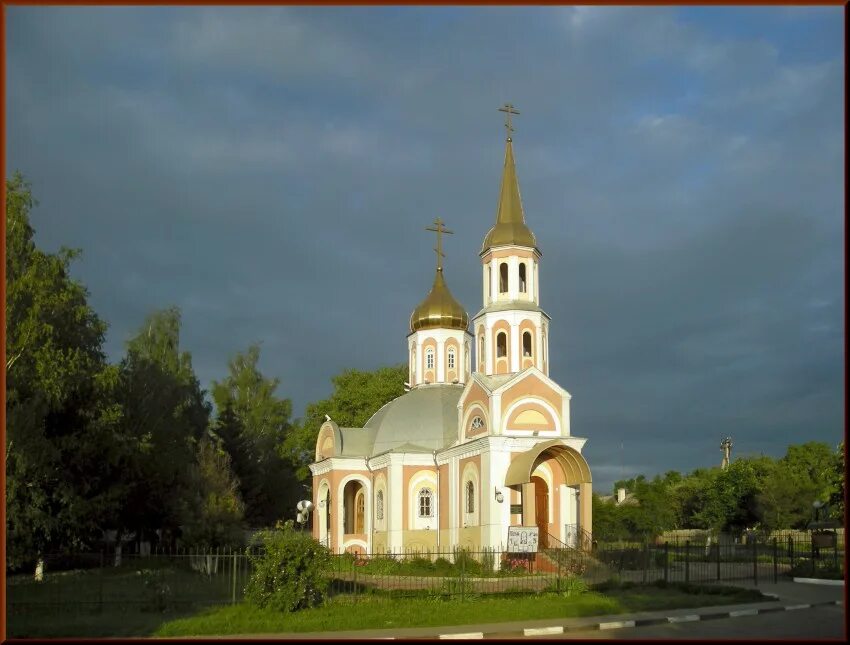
<point>475,446</point>
<point>622,498</point>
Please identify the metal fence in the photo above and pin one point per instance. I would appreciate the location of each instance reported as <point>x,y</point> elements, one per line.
<point>166,580</point>
<point>155,581</point>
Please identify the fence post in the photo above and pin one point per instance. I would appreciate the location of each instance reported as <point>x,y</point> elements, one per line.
<point>687,561</point>
<point>645,559</point>
<point>560,559</point>
<point>666,561</point>
<point>233,573</point>
<point>835,552</point>
<point>463,578</point>
<point>775,561</point>
<point>755,561</point>
<point>718,558</point>
<point>791,549</point>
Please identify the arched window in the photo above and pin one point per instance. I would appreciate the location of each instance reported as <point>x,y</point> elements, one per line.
<point>503,277</point>
<point>468,360</point>
<point>451,358</point>
<point>360,513</point>
<point>470,497</point>
<point>426,502</point>
<point>481,350</point>
<point>526,343</point>
<point>501,344</point>
<point>379,505</point>
<point>522,280</point>
<point>429,359</point>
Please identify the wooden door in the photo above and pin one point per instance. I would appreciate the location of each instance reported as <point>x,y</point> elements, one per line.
<point>541,510</point>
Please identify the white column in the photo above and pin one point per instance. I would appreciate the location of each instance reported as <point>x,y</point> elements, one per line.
<point>484,282</point>
<point>488,348</point>
<point>395,504</point>
<point>453,510</point>
<point>440,364</point>
<point>494,280</point>
<point>513,277</point>
<point>538,348</point>
<point>536,289</point>
<point>515,348</point>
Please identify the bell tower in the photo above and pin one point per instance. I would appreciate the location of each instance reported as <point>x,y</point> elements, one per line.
<point>511,331</point>
<point>438,345</point>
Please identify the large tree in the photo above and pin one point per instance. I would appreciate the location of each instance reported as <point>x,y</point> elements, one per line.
<point>253,422</point>
<point>64,442</point>
<point>357,396</point>
<point>166,414</point>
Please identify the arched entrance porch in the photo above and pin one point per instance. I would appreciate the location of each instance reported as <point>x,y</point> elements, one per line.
<point>534,490</point>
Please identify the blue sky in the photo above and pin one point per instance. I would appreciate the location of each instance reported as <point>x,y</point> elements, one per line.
<point>270,170</point>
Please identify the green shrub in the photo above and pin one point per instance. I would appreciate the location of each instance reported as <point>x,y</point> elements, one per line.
<point>441,565</point>
<point>567,587</point>
<point>420,564</point>
<point>488,560</point>
<point>465,562</point>
<point>291,573</point>
<point>383,564</point>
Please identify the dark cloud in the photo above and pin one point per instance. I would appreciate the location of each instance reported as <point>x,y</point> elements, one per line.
<point>270,171</point>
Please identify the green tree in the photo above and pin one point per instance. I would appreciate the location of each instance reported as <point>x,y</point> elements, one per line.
<point>214,514</point>
<point>166,413</point>
<point>63,442</point>
<point>253,424</point>
<point>357,396</point>
<point>837,483</point>
<point>806,473</point>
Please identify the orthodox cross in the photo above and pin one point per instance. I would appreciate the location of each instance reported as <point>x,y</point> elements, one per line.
<point>439,228</point>
<point>508,109</point>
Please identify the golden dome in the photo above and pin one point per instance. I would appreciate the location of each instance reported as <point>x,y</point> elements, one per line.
<point>439,309</point>
<point>510,225</point>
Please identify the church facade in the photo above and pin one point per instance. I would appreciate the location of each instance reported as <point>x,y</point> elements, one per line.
<point>482,439</point>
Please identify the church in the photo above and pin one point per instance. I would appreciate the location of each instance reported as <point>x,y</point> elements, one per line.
<point>481,441</point>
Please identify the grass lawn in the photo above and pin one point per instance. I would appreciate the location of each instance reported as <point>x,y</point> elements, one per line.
<point>373,613</point>
<point>121,602</point>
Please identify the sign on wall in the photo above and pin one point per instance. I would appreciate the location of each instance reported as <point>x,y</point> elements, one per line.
<point>522,539</point>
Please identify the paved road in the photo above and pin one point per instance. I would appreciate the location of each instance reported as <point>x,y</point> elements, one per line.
<point>805,624</point>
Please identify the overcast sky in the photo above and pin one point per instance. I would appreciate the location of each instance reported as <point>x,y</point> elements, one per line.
<point>270,171</point>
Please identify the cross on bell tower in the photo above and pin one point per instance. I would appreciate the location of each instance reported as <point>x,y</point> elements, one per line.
<point>439,228</point>
<point>508,109</point>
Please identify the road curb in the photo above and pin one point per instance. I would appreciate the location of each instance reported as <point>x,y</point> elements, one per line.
<point>820,581</point>
<point>640,622</point>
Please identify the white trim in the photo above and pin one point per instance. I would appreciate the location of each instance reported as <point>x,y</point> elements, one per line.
<point>543,403</point>
<point>339,463</point>
<point>321,516</point>
<point>470,474</point>
<point>529,372</point>
<point>339,504</point>
<point>423,479</point>
<point>349,543</point>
